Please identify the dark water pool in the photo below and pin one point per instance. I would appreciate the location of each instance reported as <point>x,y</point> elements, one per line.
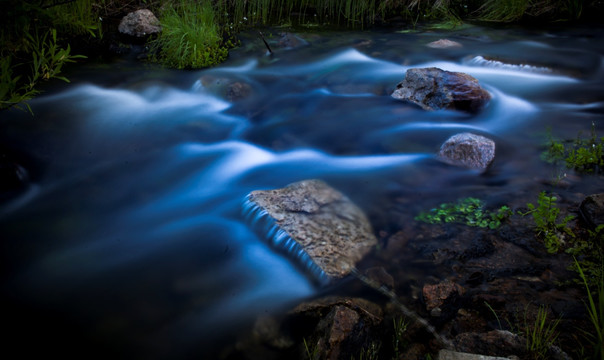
<point>130,241</point>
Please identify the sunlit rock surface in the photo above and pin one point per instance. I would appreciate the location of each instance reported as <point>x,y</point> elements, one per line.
<point>313,223</point>
<point>434,89</point>
<point>139,23</point>
<point>468,150</point>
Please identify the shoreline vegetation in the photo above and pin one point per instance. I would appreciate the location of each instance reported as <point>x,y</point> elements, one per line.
<point>38,37</point>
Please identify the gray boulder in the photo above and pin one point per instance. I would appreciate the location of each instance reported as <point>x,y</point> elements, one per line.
<point>434,89</point>
<point>139,23</point>
<point>314,224</point>
<point>468,150</point>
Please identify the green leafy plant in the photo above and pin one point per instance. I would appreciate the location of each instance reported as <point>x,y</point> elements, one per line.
<point>545,215</point>
<point>585,155</point>
<point>47,60</point>
<point>540,334</point>
<point>595,310</point>
<point>469,211</point>
<point>191,37</point>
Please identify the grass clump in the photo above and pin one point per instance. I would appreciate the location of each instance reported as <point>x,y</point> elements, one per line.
<point>540,334</point>
<point>469,211</point>
<point>595,310</point>
<point>191,37</point>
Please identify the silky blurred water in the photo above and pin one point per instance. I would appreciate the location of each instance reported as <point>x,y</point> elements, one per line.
<point>130,240</point>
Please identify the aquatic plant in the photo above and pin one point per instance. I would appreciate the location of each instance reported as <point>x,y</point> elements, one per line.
<point>545,214</point>
<point>190,37</point>
<point>584,155</point>
<point>469,211</point>
<point>595,310</point>
<point>540,334</point>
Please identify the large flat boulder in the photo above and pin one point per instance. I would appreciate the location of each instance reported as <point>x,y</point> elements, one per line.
<point>316,225</point>
<point>435,89</point>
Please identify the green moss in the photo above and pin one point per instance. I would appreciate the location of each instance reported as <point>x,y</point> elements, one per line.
<point>469,211</point>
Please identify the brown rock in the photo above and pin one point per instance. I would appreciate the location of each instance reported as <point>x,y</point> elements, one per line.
<point>436,295</point>
<point>434,89</point>
<point>468,150</point>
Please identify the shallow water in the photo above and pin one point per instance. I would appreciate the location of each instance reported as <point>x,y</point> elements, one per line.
<point>131,239</point>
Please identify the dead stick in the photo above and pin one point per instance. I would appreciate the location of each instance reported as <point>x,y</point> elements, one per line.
<point>265,43</point>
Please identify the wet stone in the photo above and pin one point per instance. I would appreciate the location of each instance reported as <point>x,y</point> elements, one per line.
<point>313,223</point>
<point>435,89</point>
<point>592,209</point>
<point>468,150</point>
<point>436,295</point>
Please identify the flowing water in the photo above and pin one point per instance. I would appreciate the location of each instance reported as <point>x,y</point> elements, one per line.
<point>130,238</point>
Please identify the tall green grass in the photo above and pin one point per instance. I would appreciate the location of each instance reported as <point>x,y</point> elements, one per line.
<point>77,17</point>
<point>190,37</point>
<point>595,310</point>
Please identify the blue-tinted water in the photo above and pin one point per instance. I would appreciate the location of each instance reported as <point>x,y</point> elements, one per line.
<point>131,238</point>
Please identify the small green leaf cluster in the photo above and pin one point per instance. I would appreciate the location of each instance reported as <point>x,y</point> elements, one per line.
<point>469,211</point>
<point>545,214</point>
<point>582,155</point>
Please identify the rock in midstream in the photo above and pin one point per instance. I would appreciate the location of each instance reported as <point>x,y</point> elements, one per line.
<point>433,89</point>
<point>468,150</point>
<point>313,223</point>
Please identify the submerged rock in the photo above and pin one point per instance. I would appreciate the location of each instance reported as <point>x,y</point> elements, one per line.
<point>291,41</point>
<point>444,44</point>
<point>341,324</point>
<point>434,89</point>
<point>454,355</point>
<point>314,223</point>
<point>592,209</point>
<point>139,23</point>
<point>468,150</point>
<point>436,295</point>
